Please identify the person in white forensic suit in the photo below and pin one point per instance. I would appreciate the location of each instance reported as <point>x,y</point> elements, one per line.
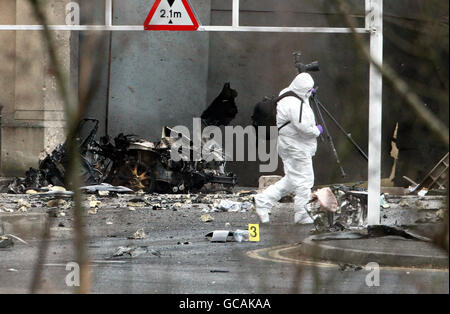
<point>297,144</point>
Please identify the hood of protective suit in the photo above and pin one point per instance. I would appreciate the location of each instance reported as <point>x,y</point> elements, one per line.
<point>297,138</point>
<point>302,85</point>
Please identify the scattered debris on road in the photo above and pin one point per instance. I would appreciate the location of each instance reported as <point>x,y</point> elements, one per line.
<point>338,208</point>
<point>93,202</point>
<point>6,210</point>
<point>349,267</point>
<point>344,208</point>
<point>136,203</point>
<point>219,235</point>
<point>104,189</point>
<point>231,206</point>
<point>206,218</point>
<point>6,242</point>
<point>55,212</point>
<point>22,205</point>
<point>326,199</point>
<point>132,251</point>
<point>138,235</point>
<point>92,211</point>
<point>241,235</point>
<point>57,203</point>
<point>227,235</point>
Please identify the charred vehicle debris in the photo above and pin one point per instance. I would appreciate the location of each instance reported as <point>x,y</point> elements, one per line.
<point>133,162</point>
<point>138,164</point>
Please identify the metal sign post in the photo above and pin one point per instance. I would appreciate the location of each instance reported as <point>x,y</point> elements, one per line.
<point>374,21</point>
<point>108,13</point>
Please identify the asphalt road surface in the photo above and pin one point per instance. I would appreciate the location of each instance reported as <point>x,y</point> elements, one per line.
<point>178,258</point>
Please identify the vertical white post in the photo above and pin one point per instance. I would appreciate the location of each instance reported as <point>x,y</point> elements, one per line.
<point>235,13</point>
<point>108,12</point>
<point>375,21</point>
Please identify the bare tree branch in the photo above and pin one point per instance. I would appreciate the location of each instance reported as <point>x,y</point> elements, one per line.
<point>73,115</point>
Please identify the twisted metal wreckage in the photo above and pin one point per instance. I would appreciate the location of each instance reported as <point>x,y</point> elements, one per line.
<point>138,164</point>
<point>132,162</point>
<point>338,208</point>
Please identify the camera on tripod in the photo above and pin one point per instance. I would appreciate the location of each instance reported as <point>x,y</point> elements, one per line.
<point>301,67</point>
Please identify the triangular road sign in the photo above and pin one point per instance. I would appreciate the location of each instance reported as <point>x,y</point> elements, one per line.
<point>171,15</point>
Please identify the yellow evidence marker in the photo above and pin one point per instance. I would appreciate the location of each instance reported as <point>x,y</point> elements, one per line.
<point>253,230</point>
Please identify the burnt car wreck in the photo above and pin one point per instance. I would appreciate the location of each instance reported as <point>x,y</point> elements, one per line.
<point>135,163</point>
<point>132,162</point>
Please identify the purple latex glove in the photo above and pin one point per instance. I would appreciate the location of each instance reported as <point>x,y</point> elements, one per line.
<point>320,128</point>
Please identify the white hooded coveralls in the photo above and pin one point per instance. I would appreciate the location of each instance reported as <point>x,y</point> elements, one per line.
<point>297,144</point>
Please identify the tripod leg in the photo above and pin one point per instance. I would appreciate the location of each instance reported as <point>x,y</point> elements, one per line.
<point>320,122</point>
<point>342,129</point>
<point>330,139</point>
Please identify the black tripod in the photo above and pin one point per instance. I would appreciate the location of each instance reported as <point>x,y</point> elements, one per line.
<point>320,106</point>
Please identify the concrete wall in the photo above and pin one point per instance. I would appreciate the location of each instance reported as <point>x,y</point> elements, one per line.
<point>7,63</point>
<point>33,114</point>
<point>95,45</point>
<point>159,77</point>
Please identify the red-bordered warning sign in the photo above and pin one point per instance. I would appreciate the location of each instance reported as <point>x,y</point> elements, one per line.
<point>171,15</point>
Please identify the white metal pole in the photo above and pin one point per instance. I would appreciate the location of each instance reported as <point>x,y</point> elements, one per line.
<point>72,28</point>
<point>108,13</point>
<point>235,13</point>
<point>270,29</point>
<point>375,21</point>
